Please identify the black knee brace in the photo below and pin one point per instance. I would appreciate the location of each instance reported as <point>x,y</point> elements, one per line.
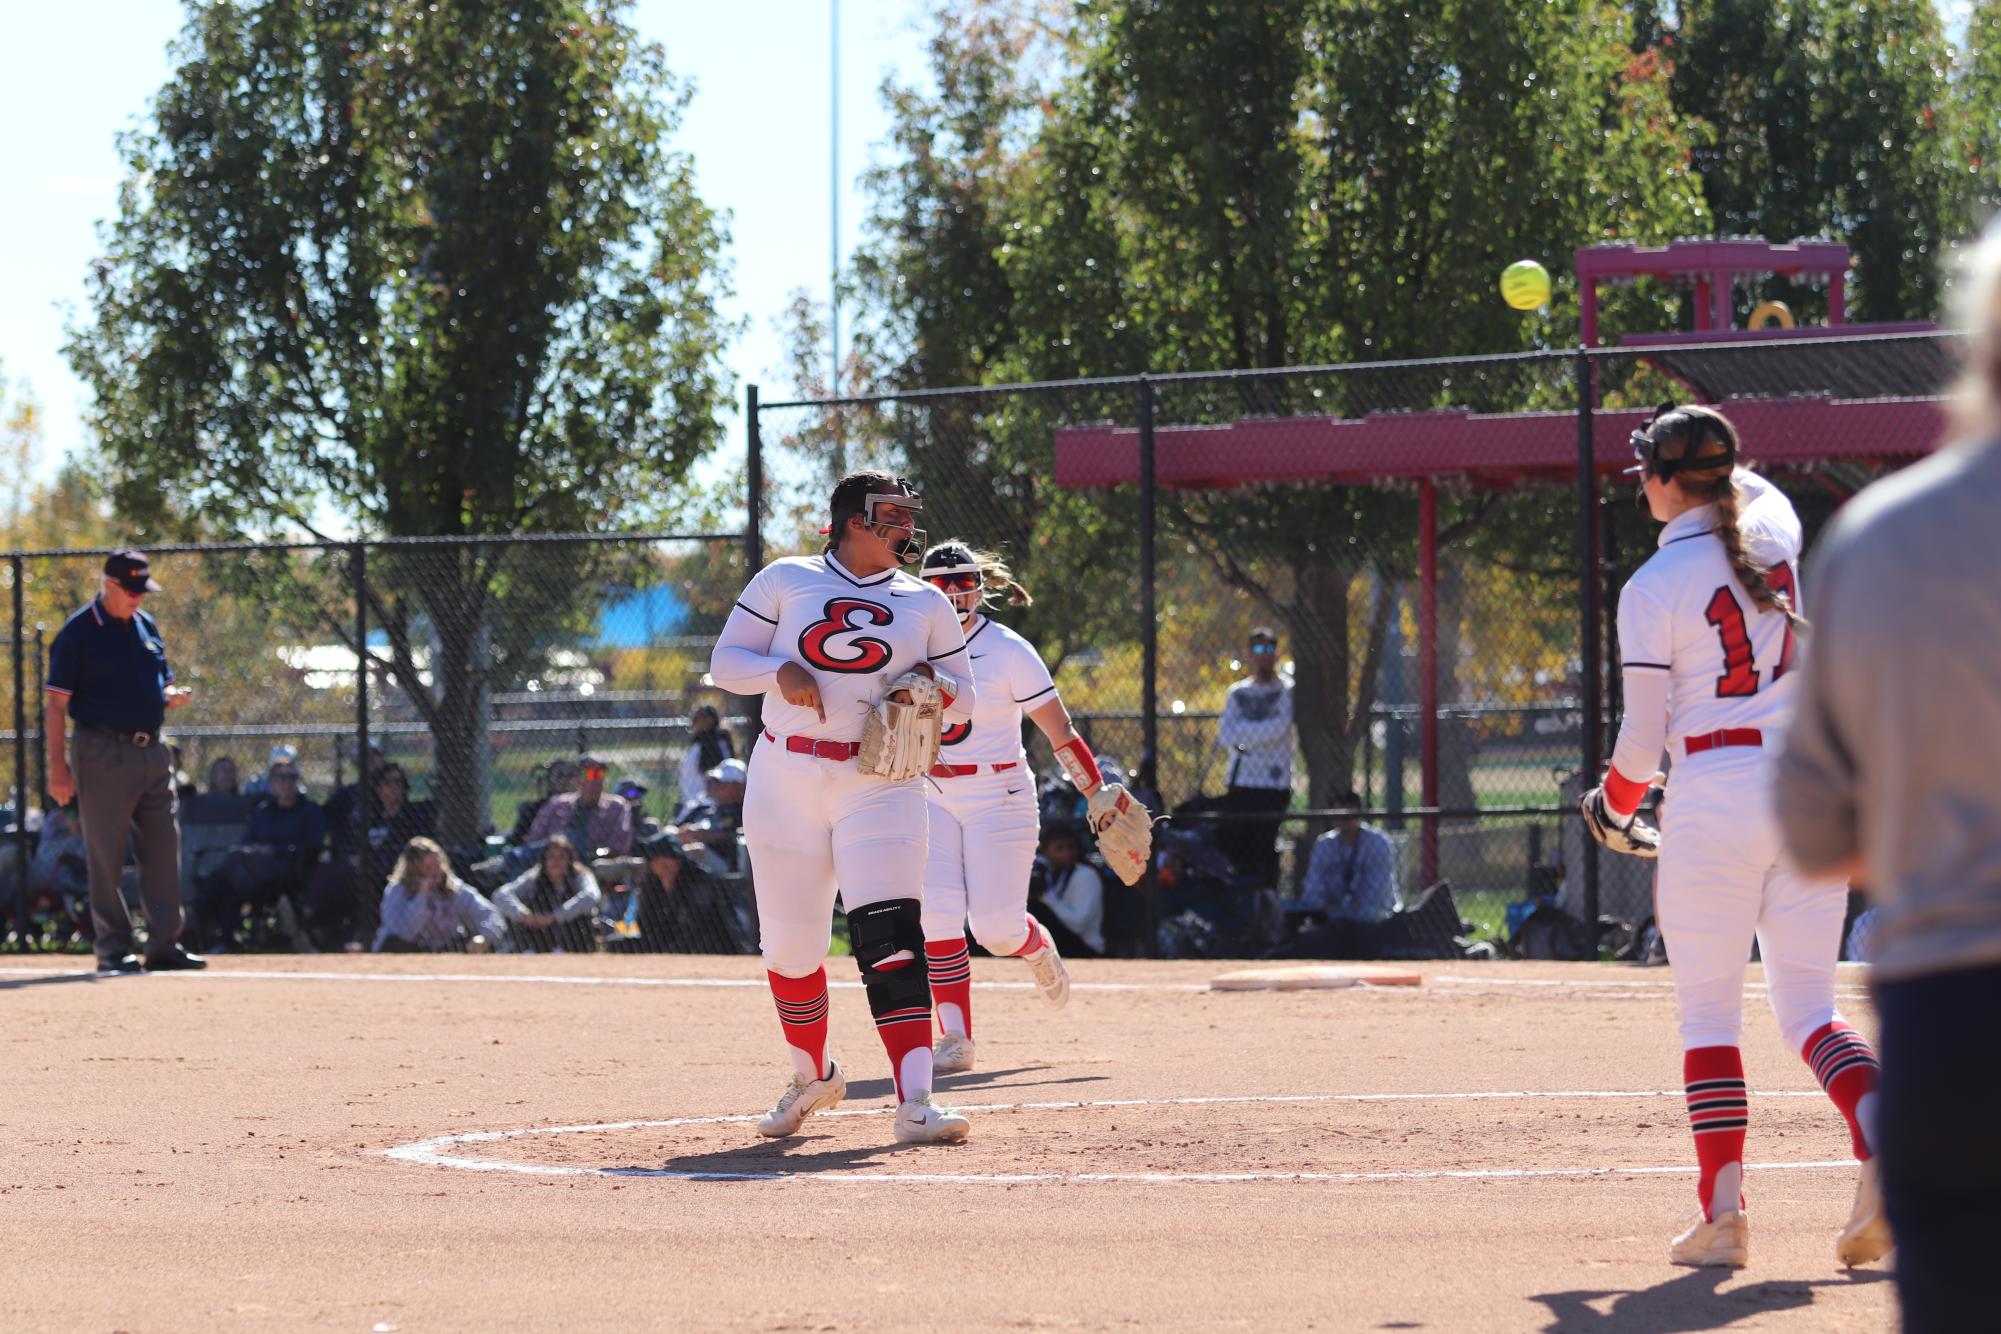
<point>875,933</point>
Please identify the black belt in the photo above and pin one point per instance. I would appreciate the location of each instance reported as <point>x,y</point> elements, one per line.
<point>140,739</point>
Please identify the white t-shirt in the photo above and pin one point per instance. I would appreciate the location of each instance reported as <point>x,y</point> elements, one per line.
<point>1686,623</point>
<point>853,635</point>
<point>1012,679</point>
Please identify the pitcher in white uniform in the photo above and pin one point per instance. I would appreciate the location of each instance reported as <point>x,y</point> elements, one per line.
<point>821,638</point>
<point>982,802</point>
<point>1708,636</point>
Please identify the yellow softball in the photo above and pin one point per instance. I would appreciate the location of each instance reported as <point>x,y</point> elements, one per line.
<point>1525,285</point>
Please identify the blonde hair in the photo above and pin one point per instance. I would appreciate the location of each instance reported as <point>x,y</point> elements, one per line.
<point>405,873</point>
<point>1000,580</point>
<point>1683,442</point>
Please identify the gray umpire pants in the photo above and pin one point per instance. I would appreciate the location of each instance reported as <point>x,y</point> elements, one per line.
<point>125,795</point>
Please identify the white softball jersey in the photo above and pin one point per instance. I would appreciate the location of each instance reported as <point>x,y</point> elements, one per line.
<point>854,635</point>
<point>1013,679</point>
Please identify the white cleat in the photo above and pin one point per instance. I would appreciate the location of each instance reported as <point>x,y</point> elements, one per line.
<point>1867,1236</point>
<point>1050,974</point>
<point>802,1098</point>
<point>953,1055</point>
<point>920,1121</point>
<point>1723,1240</point>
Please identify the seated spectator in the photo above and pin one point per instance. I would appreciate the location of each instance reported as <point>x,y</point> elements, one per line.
<point>222,777</point>
<point>340,805</point>
<point>261,784</point>
<point>342,900</point>
<point>682,909</point>
<point>558,777</point>
<point>599,823</point>
<point>280,850</point>
<point>1067,895</point>
<point>425,908</point>
<point>710,745</point>
<point>714,822</point>
<point>59,871</point>
<point>555,905</point>
<point>1351,887</point>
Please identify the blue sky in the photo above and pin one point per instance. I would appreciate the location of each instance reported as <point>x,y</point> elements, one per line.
<point>757,129</point>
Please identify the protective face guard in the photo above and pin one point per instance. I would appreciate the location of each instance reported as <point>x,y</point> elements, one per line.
<point>964,600</point>
<point>905,548</point>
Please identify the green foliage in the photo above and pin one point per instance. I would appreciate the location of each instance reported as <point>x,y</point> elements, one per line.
<point>1979,89</point>
<point>417,269</point>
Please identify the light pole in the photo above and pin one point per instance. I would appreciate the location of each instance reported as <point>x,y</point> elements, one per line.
<point>840,456</point>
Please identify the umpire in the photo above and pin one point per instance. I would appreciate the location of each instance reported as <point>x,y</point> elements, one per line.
<point>108,672</point>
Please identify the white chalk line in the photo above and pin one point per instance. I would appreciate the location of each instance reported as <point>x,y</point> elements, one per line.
<point>429,1152</point>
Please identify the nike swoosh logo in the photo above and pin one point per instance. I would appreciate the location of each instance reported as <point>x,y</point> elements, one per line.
<point>893,593</point>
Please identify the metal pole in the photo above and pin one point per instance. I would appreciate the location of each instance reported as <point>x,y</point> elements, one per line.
<point>41,752</point>
<point>1149,631</point>
<point>753,527</point>
<point>1591,756</point>
<point>834,244</point>
<point>364,790</point>
<point>20,758</point>
<point>1427,665</point>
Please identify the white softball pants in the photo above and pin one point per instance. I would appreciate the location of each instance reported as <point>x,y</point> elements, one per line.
<point>983,835</point>
<point>815,827</point>
<point>1721,881</point>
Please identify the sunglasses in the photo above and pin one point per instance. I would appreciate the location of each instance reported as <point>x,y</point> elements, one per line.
<point>1262,648</point>
<point>283,776</point>
<point>954,583</point>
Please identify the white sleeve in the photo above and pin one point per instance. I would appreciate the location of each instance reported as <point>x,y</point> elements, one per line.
<point>1646,653</point>
<point>693,783</point>
<point>743,663</point>
<point>508,897</point>
<point>1081,905</point>
<point>585,901</point>
<point>1030,680</point>
<point>946,652</point>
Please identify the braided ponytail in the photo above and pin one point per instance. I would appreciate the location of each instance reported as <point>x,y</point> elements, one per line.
<point>1680,440</point>
<point>1000,580</point>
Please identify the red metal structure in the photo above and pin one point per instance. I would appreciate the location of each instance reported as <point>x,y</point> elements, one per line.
<point>1888,404</point>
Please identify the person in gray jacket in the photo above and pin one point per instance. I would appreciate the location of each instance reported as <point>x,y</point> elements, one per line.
<point>554,904</point>
<point>426,908</point>
<point>1889,775</point>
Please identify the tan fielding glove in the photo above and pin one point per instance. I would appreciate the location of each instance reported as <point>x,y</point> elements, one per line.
<point>899,740</point>
<point>1124,831</point>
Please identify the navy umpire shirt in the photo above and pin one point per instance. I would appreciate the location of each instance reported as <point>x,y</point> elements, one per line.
<point>114,672</point>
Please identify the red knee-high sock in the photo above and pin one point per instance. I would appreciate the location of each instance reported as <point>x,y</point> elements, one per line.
<point>1845,1065</point>
<point>1718,1112</point>
<point>1035,939</point>
<point>802,1010</point>
<point>951,982</point>
<point>903,1031</point>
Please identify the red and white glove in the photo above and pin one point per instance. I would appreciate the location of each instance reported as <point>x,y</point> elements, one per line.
<point>1119,821</point>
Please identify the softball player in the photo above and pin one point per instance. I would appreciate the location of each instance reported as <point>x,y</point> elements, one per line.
<point>1708,633</point>
<point>826,639</point>
<point>982,800</point>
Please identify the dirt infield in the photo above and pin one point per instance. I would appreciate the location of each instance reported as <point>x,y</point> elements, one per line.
<point>321,1143</point>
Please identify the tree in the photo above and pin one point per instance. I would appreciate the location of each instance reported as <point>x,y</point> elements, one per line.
<point>1979,89</point>
<point>1830,119</point>
<point>426,269</point>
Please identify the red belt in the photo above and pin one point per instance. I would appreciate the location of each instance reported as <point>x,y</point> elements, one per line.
<point>820,750</point>
<point>1729,736</point>
<point>961,770</point>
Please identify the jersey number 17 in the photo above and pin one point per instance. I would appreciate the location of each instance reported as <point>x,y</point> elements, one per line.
<point>1740,674</point>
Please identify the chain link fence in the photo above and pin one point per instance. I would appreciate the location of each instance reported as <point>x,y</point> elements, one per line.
<point>1435,548</point>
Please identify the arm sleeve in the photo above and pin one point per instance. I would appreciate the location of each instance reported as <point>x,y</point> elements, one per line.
<point>743,662</point>
<point>584,902</point>
<point>946,650</point>
<point>1817,785</point>
<point>507,899</point>
<point>1378,876</point>
<point>692,782</point>
<point>63,664</point>
<point>395,915</point>
<point>1030,681</point>
<point>1646,655</point>
<point>476,914</point>
<point>314,831</point>
<point>1319,877</point>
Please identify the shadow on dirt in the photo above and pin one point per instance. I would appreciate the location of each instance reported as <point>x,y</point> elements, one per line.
<point>1691,1301</point>
<point>51,979</point>
<point>799,1156</point>
<point>962,1084</point>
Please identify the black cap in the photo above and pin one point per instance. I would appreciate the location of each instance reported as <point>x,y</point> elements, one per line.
<point>132,571</point>
<point>662,845</point>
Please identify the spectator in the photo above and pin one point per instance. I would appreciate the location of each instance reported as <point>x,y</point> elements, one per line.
<point>222,777</point>
<point>280,849</point>
<point>714,821</point>
<point>559,777</point>
<point>340,807</point>
<point>633,793</point>
<point>1351,882</point>
<point>342,901</point>
<point>184,786</point>
<point>1256,733</point>
<point>1067,895</point>
<point>425,908</point>
<point>599,823</point>
<point>711,746</point>
<point>682,908</point>
<point>554,905</point>
<point>261,784</point>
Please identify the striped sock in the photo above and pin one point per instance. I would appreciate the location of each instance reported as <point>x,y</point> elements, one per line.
<point>904,1034</point>
<point>1845,1065</point>
<point>1718,1112</point>
<point>802,1010</point>
<point>1035,938</point>
<point>952,984</point>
